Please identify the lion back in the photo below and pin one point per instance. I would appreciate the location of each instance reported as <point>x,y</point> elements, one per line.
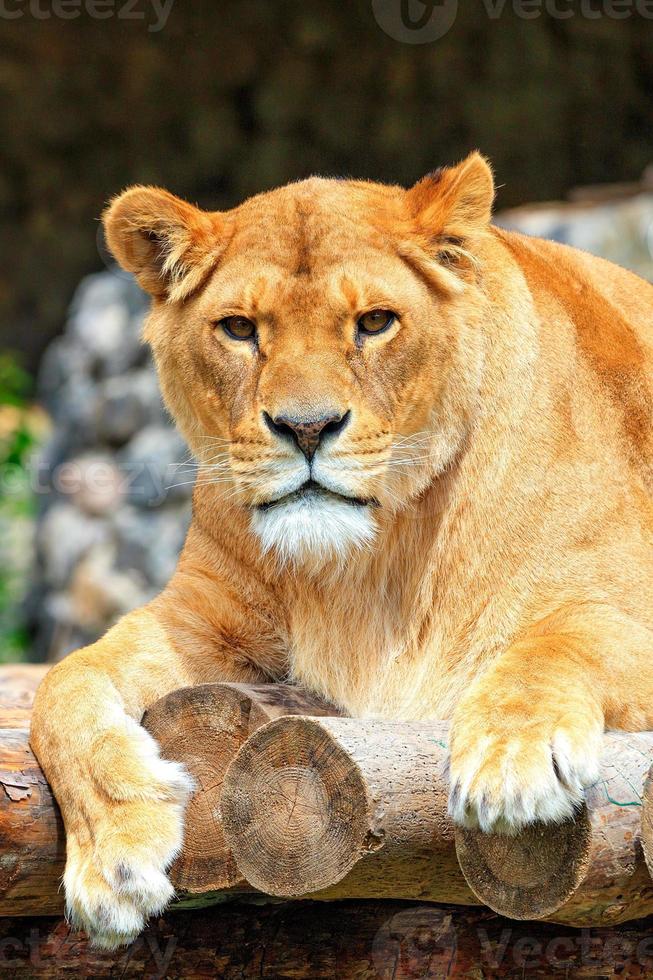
<point>611,310</point>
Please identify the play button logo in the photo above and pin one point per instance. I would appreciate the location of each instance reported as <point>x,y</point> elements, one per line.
<point>415,21</point>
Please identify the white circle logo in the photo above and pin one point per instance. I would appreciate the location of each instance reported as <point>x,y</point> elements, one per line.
<point>415,21</point>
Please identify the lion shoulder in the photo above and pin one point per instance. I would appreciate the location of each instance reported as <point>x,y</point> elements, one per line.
<point>611,312</point>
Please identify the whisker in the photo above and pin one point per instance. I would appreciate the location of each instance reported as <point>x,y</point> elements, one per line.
<point>201,466</point>
<point>225,457</point>
<point>216,439</point>
<point>409,462</point>
<point>408,450</point>
<point>197,483</point>
<point>393,496</point>
<point>415,440</point>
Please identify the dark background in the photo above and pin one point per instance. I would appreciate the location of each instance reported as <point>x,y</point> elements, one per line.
<point>235,96</point>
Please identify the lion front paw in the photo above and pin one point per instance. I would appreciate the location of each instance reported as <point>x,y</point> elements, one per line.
<point>115,878</point>
<point>504,776</point>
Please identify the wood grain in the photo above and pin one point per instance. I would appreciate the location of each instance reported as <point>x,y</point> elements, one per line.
<point>204,727</point>
<point>345,808</point>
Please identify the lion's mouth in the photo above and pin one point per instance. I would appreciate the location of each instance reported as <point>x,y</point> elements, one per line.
<point>311,490</point>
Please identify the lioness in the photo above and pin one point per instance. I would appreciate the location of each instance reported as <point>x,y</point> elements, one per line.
<point>426,470</point>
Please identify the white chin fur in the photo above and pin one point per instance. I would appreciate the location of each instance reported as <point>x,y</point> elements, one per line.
<point>313,529</point>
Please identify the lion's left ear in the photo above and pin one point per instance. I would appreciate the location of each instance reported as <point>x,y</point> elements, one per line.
<point>448,209</point>
<point>454,201</point>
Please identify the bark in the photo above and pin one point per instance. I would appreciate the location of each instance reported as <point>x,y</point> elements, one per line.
<point>344,808</point>
<point>32,843</point>
<point>32,839</point>
<point>18,683</point>
<point>334,941</point>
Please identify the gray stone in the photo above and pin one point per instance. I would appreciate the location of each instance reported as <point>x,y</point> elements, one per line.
<point>107,288</point>
<point>62,363</point>
<point>92,482</point>
<point>64,537</point>
<point>57,633</point>
<point>151,541</point>
<point>100,593</point>
<point>106,322</point>
<point>127,403</point>
<point>112,524</point>
<point>151,463</point>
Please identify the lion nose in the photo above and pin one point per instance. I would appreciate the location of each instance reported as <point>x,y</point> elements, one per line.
<point>307,433</point>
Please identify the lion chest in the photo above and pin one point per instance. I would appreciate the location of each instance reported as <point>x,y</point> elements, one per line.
<point>370,658</point>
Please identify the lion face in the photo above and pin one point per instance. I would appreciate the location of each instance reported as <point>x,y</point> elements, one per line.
<point>318,345</point>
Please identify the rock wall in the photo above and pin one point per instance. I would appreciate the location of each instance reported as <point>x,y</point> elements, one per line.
<point>114,482</point>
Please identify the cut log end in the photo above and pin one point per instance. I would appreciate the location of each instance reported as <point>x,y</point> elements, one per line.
<point>531,875</point>
<point>295,809</point>
<point>203,728</point>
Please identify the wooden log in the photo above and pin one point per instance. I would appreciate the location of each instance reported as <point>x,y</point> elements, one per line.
<point>324,941</point>
<point>18,684</point>
<point>337,807</point>
<point>32,844</point>
<point>32,838</point>
<point>396,854</point>
<point>204,727</point>
<point>588,871</point>
<point>344,808</point>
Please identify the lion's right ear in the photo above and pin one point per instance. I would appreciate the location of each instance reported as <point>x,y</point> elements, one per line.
<point>169,245</point>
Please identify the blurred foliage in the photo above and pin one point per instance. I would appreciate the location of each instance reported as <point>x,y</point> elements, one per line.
<point>22,427</point>
<point>237,96</point>
<point>15,382</point>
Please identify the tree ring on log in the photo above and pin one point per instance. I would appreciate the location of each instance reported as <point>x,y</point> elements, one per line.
<point>294,809</point>
<point>203,728</point>
<point>529,875</point>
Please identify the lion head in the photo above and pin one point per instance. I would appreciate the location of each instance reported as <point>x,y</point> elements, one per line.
<point>318,345</point>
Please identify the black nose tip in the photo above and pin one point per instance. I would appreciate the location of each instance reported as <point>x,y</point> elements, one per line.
<point>307,433</point>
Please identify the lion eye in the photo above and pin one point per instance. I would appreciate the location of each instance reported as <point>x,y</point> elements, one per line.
<point>376,321</point>
<point>238,327</point>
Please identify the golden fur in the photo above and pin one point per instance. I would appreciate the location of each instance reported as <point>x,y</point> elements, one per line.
<point>500,573</point>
